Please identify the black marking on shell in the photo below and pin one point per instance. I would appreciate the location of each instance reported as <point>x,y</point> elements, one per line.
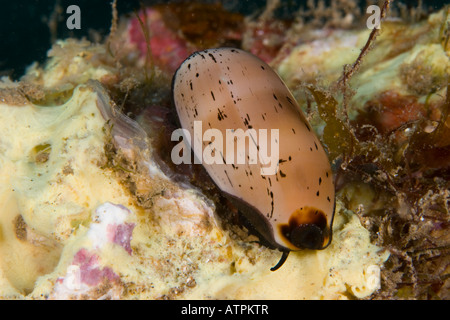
<point>229,180</point>
<point>220,114</point>
<point>290,101</point>
<point>212,57</point>
<point>271,204</point>
<point>307,127</point>
<point>223,158</point>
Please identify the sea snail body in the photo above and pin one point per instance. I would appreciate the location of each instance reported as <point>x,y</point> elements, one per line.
<point>285,185</point>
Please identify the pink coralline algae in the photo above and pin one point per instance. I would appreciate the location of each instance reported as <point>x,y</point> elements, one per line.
<point>173,34</point>
<point>110,227</point>
<point>91,273</point>
<point>168,49</point>
<point>121,235</point>
<point>88,270</point>
<point>86,278</point>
